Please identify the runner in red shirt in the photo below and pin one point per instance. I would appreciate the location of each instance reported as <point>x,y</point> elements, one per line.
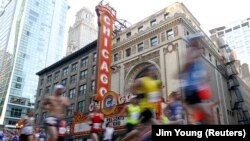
<point>96,127</point>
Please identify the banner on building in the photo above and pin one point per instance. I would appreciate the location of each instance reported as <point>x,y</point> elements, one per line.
<point>106,18</point>
<point>112,106</point>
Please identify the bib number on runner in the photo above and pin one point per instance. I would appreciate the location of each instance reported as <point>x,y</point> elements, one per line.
<point>154,97</point>
<point>62,130</point>
<point>135,116</point>
<point>28,130</point>
<point>97,125</point>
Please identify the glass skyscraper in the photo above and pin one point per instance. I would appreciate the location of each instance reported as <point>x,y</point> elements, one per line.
<point>237,36</point>
<point>31,38</point>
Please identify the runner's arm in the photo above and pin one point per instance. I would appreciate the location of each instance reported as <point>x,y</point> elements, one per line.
<point>67,103</point>
<point>124,111</point>
<point>45,104</point>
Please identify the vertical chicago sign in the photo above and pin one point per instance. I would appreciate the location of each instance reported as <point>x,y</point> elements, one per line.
<point>106,17</point>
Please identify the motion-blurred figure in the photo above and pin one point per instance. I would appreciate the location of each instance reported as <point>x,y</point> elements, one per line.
<point>132,112</point>
<point>175,108</point>
<point>55,105</point>
<point>195,78</point>
<point>108,133</point>
<point>150,89</point>
<point>27,129</point>
<point>42,135</point>
<point>97,118</point>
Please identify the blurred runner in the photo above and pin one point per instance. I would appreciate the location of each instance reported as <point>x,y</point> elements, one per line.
<point>36,134</point>
<point>149,88</point>
<point>55,105</point>
<point>195,78</point>
<point>27,129</point>
<point>42,135</point>
<point>109,131</point>
<point>96,126</point>
<point>1,135</point>
<point>133,112</point>
<point>15,136</point>
<point>175,108</point>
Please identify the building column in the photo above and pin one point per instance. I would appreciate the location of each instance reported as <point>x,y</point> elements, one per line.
<point>163,71</point>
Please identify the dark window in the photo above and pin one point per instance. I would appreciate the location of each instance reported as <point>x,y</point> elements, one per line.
<point>72,93</point>
<point>140,28</point>
<point>170,34</point>
<point>153,22</point>
<point>65,72</point>
<point>93,70</point>
<point>83,75</point>
<point>56,75</point>
<point>210,57</point>
<point>27,33</point>
<point>94,57</point>
<point>118,39</point>
<point>18,85</point>
<point>80,106</point>
<point>128,52</point>
<point>140,47</point>
<point>70,110</point>
<point>49,79</point>
<point>73,79</point>
<point>39,92</point>
<point>19,79</point>
<point>115,57</point>
<point>36,117</point>
<point>41,82</point>
<point>16,112</point>
<point>84,62</point>
<point>74,67</point>
<point>154,41</point>
<point>128,34</point>
<point>228,30</point>
<point>236,27</point>
<point>64,82</point>
<point>12,122</point>
<point>221,33</point>
<point>92,87</point>
<point>245,24</point>
<point>82,89</point>
<point>47,89</point>
<point>166,15</point>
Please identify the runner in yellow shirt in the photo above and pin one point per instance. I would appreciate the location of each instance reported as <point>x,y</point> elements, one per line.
<point>149,88</point>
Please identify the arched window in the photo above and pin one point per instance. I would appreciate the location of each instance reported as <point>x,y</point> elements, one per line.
<point>142,73</point>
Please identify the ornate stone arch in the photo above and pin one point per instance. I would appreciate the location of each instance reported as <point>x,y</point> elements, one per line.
<point>137,69</point>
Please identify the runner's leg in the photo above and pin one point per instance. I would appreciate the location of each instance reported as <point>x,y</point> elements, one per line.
<point>53,136</point>
<point>134,133</point>
<point>94,137</point>
<point>30,138</point>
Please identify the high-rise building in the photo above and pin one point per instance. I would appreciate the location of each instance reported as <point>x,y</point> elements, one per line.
<point>237,36</point>
<point>82,32</point>
<point>31,38</point>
